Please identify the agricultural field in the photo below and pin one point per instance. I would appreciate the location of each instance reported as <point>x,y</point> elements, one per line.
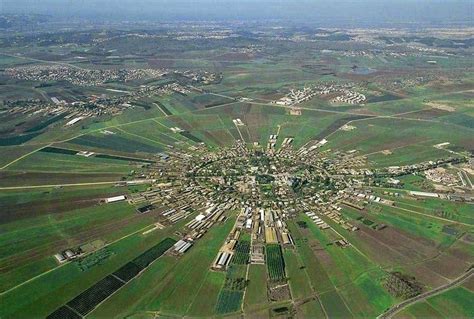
<point>275,263</point>
<point>235,169</point>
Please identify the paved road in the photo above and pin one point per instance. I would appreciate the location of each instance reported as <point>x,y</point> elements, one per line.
<point>397,308</point>
<point>42,61</point>
<point>139,181</point>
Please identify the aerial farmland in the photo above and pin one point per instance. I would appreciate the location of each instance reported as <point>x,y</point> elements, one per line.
<point>235,169</point>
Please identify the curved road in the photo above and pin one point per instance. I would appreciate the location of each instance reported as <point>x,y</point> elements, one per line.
<point>397,308</point>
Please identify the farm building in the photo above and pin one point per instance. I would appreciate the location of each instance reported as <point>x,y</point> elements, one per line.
<point>181,246</point>
<point>270,235</point>
<point>60,258</point>
<point>223,260</point>
<point>115,199</point>
<point>424,194</point>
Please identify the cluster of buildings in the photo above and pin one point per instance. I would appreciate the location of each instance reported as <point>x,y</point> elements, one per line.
<point>79,76</point>
<point>264,187</point>
<point>336,92</point>
<point>200,76</point>
<point>443,176</point>
<point>296,97</point>
<point>419,167</point>
<point>103,104</point>
<point>203,34</point>
<point>67,255</point>
<point>340,93</point>
<point>349,97</point>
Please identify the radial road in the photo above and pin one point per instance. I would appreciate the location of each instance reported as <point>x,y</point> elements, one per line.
<point>134,182</point>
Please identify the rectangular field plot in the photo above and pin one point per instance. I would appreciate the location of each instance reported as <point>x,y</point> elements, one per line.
<point>256,292</point>
<point>64,313</point>
<point>242,250</point>
<point>117,143</point>
<point>127,271</point>
<point>311,309</point>
<point>208,295</point>
<point>317,274</point>
<point>175,286</point>
<point>90,298</point>
<point>334,305</point>
<point>456,302</point>
<point>191,137</point>
<point>275,262</point>
<point>54,162</point>
<point>334,259</point>
<point>420,310</point>
<point>229,301</point>
<point>231,294</point>
<point>151,254</point>
<point>210,100</point>
<point>297,276</point>
<point>65,151</point>
<point>366,297</point>
<point>407,155</point>
<point>455,211</point>
<point>375,135</point>
<point>150,132</point>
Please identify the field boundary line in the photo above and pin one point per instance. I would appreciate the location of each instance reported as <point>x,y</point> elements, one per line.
<point>73,310</point>
<point>66,263</point>
<point>143,181</point>
<point>142,137</point>
<point>169,135</point>
<point>159,107</point>
<point>125,283</point>
<point>397,147</point>
<point>25,155</point>
<point>429,216</point>
<point>434,292</point>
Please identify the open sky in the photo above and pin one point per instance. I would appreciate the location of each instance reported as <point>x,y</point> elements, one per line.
<point>310,11</point>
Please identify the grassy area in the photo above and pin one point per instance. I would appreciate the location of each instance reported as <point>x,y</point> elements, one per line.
<point>170,284</point>
<point>334,305</point>
<point>316,273</point>
<point>256,292</point>
<point>44,294</point>
<point>297,276</point>
<point>207,295</point>
<point>67,230</point>
<point>456,302</point>
<point>311,309</point>
<point>275,262</point>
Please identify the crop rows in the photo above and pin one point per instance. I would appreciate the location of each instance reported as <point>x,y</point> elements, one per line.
<point>234,283</point>
<point>93,259</point>
<point>90,298</point>
<point>275,262</point>
<point>242,250</point>
<point>133,268</point>
<point>64,313</point>
<point>231,294</point>
<point>115,142</point>
<point>101,290</point>
<point>127,271</point>
<point>151,254</point>
<point>229,301</point>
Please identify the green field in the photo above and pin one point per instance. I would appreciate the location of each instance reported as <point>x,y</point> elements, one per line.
<point>454,302</point>
<point>158,105</point>
<point>173,278</point>
<point>256,292</point>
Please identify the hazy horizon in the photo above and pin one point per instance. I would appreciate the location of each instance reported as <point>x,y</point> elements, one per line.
<point>367,12</point>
